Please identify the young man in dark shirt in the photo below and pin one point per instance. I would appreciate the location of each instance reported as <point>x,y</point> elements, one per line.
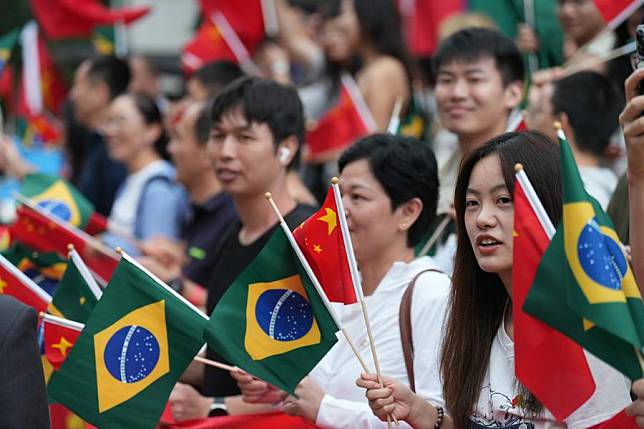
<point>257,130</point>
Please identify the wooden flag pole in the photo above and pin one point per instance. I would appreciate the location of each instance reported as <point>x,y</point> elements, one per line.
<point>355,278</point>
<point>435,236</point>
<point>394,121</point>
<point>313,278</point>
<point>215,364</point>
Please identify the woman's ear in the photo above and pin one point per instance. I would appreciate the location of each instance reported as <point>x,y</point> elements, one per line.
<point>410,211</point>
<point>153,132</point>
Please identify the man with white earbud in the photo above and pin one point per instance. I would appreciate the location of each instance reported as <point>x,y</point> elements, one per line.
<point>257,130</point>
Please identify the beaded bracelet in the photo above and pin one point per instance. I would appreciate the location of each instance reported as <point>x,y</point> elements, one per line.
<point>439,418</point>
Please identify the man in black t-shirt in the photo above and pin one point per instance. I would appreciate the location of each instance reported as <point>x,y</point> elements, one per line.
<point>257,130</point>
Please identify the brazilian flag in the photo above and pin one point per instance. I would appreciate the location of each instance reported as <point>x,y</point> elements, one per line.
<point>584,286</point>
<point>103,40</point>
<point>271,321</point>
<point>7,42</point>
<point>58,197</point>
<point>77,292</point>
<point>46,269</point>
<point>137,342</point>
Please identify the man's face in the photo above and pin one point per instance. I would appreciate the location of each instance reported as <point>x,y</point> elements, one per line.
<point>580,20</point>
<point>89,97</point>
<point>471,97</point>
<point>187,153</point>
<point>243,155</point>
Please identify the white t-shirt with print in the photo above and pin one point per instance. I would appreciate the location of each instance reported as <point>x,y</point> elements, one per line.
<point>499,403</point>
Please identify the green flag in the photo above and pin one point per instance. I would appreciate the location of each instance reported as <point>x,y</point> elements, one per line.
<point>77,292</point>
<point>46,269</point>
<point>271,321</point>
<point>7,42</point>
<point>103,40</point>
<point>137,342</point>
<point>584,286</point>
<point>58,197</point>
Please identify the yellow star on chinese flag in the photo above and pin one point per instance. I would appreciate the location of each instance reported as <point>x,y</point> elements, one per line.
<point>3,285</point>
<point>330,219</point>
<point>317,248</point>
<point>62,346</point>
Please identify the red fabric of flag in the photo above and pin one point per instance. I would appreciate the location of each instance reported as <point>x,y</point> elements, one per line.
<point>207,45</point>
<point>321,241</point>
<point>59,341</point>
<point>96,224</point>
<point>336,130</point>
<point>619,420</point>
<point>78,18</point>
<point>550,365</point>
<point>12,284</point>
<point>247,21</point>
<point>42,233</point>
<point>615,12</point>
<point>423,20</point>
<point>255,421</point>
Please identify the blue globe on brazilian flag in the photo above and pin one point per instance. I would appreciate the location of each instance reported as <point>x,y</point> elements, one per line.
<point>271,321</point>
<point>584,286</point>
<point>136,344</point>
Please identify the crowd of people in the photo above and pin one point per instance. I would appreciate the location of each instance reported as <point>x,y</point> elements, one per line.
<point>183,184</point>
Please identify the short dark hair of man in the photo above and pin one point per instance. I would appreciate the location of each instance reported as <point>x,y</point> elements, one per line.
<point>472,44</point>
<point>113,71</point>
<point>406,168</point>
<point>203,124</point>
<point>216,75</point>
<point>264,101</point>
<point>593,104</point>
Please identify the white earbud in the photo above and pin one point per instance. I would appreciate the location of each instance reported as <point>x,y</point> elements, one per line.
<point>284,154</point>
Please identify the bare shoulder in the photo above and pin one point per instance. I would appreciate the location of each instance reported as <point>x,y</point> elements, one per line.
<point>385,67</point>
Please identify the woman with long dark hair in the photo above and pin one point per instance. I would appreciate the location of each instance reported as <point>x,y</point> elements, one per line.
<point>477,357</point>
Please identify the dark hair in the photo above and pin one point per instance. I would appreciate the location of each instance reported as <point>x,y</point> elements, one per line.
<point>472,44</point>
<point>203,124</point>
<point>478,299</point>
<point>379,22</point>
<point>267,102</point>
<point>406,168</point>
<point>152,116</point>
<point>114,72</point>
<point>592,104</point>
<point>216,75</point>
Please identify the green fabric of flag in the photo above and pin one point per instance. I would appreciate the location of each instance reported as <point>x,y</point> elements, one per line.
<point>58,197</point>
<point>584,286</point>
<point>135,346</point>
<point>271,322</point>
<point>46,269</point>
<point>77,292</point>
<point>7,42</point>
<point>103,40</point>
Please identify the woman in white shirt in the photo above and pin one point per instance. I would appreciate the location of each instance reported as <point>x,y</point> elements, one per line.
<point>477,357</point>
<point>389,189</point>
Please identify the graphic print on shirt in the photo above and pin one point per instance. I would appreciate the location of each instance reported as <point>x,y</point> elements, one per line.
<point>510,418</point>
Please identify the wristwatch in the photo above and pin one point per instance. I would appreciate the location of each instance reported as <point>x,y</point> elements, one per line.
<point>218,407</point>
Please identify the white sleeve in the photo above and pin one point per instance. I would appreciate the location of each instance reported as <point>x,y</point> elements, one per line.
<point>428,315</point>
<point>344,414</point>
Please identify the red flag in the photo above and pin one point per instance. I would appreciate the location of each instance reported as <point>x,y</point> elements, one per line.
<point>247,21</point>
<point>615,12</point>
<point>15,283</point>
<point>423,18</point>
<point>59,338</point>
<point>349,120</point>
<point>550,365</point>
<point>619,420</point>
<point>96,224</point>
<point>78,18</point>
<point>321,241</point>
<point>45,233</point>
<point>207,45</point>
<point>256,421</point>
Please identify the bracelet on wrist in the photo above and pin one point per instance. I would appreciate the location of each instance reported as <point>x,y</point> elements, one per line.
<point>439,417</point>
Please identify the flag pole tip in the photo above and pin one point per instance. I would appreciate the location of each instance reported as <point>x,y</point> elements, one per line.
<point>557,125</point>
<point>118,250</point>
<point>268,195</point>
<point>518,167</point>
<point>70,247</point>
<point>335,180</point>
<point>41,314</point>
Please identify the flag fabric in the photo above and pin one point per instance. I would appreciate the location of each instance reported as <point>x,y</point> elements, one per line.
<point>7,42</point>
<point>59,338</point>
<point>321,241</point>
<point>133,349</point>
<point>423,18</point>
<point>584,286</point>
<point>271,321</point>
<point>77,292</point>
<point>620,420</point>
<point>256,421</point>
<point>15,283</point>
<point>46,233</point>
<point>207,45</point>
<point>57,197</point>
<point>43,268</point>
<point>569,383</point>
<point>247,22</point>
<point>73,18</point>
<point>614,12</point>
<point>104,40</point>
<point>338,129</point>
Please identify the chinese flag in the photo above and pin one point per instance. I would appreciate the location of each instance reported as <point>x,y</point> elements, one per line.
<point>77,18</point>
<point>207,45</point>
<point>15,283</point>
<point>341,126</point>
<point>615,12</point>
<point>550,365</point>
<point>60,336</point>
<point>321,241</point>
<point>247,22</point>
<point>423,19</point>
<point>45,233</point>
